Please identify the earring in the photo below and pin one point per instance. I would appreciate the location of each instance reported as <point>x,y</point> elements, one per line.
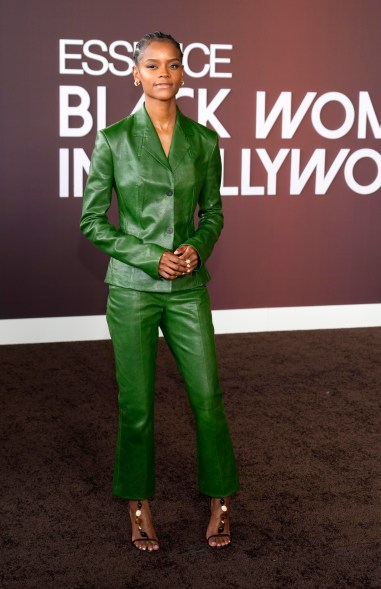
<point>182,82</point>
<point>137,83</point>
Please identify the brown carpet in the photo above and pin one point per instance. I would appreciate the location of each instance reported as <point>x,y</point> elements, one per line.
<point>304,411</point>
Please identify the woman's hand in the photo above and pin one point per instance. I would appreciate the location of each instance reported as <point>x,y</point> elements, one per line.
<point>171,266</point>
<point>189,255</point>
<point>183,261</point>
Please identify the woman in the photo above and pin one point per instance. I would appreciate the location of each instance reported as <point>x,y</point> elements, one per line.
<point>161,165</point>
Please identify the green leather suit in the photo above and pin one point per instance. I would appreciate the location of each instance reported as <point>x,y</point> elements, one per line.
<point>157,198</point>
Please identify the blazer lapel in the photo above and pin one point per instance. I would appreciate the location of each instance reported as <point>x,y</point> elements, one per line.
<point>180,145</point>
<point>151,144</point>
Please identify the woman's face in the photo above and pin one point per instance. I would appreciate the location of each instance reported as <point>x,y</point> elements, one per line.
<point>159,70</point>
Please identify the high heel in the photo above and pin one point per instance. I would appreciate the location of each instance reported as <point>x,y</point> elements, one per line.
<point>223,518</point>
<point>144,535</point>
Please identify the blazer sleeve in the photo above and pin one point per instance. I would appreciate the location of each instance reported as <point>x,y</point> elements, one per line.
<point>94,221</point>
<point>210,215</point>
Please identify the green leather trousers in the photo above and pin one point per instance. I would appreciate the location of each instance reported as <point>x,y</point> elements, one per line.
<point>185,319</point>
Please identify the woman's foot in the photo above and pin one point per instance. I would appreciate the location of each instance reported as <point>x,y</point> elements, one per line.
<point>143,533</point>
<point>218,531</point>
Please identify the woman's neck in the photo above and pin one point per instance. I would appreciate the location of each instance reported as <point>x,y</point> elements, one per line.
<point>161,113</point>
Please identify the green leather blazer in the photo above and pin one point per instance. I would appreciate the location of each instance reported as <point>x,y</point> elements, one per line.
<point>157,198</point>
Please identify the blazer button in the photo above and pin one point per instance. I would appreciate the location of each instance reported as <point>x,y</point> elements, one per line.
<point>170,230</point>
<point>169,192</point>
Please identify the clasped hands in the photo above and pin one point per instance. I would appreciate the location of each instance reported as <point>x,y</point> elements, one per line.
<point>182,261</point>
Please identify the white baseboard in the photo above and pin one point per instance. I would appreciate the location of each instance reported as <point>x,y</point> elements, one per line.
<point>94,327</point>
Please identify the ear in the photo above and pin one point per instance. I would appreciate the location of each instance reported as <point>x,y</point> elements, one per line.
<point>135,73</point>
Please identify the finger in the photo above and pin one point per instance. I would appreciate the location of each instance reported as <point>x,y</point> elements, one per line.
<point>174,268</point>
<point>175,262</point>
<point>182,267</point>
<point>180,250</point>
<point>190,252</point>
<point>191,263</point>
<point>191,255</point>
<point>167,276</point>
<point>169,260</point>
<point>168,257</point>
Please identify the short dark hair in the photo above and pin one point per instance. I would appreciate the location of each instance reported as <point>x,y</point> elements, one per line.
<point>149,38</point>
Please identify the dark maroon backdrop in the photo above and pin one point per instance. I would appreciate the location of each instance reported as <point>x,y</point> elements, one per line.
<point>282,250</point>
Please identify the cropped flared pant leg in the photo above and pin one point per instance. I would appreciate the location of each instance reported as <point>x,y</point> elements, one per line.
<point>187,326</point>
<point>185,319</point>
<point>133,319</point>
